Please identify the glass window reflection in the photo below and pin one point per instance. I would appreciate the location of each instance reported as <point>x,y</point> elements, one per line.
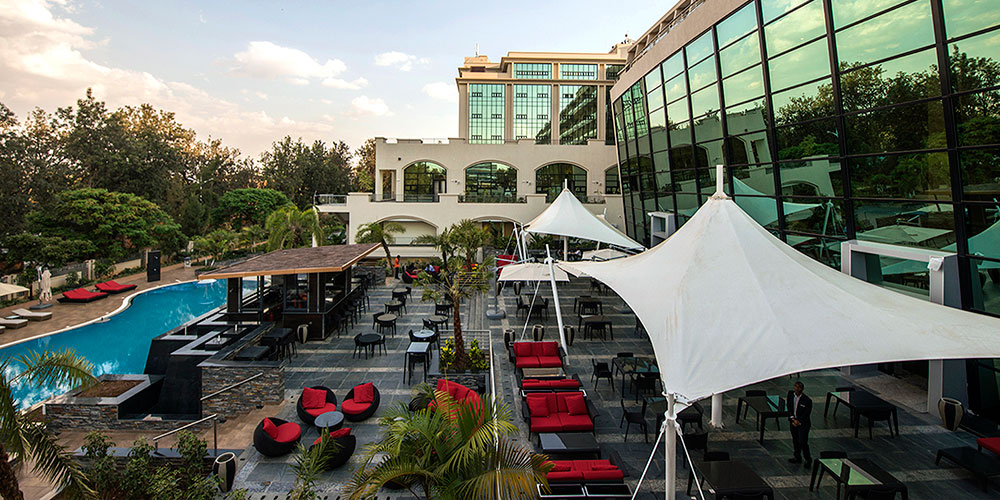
<point>913,176</point>
<point>795,29</point>
<point>771,9</point>
<point>974,62</point>
<point>705,101</point>
<point>962,17</point>
<point>901,128</point>
<point>702,74</point>
<point>916,224</point>
<point>848,11</point>
<point>743,87</point>
<point>700,48</point>
<point>899,80</point>
<point>808,102</point>
<point>673,65</point>
<point>740,55</point>
<point>736,25</point>
<point>904,29</point>
<point>801,65</point>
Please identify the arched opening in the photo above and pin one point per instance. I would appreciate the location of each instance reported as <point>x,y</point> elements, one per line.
<point>611,185</point>
<point>423,181</point>
<point>549,180</point>
<point>490,182</point>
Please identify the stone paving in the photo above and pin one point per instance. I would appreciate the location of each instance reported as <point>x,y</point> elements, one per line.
<point>909,457</point>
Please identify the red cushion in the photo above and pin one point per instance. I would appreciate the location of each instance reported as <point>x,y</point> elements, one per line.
<point>353,407</point>
<point>313,398</point>
<point>270,429</point>
<point>321,410</point>
<point>546,424</point>
<point>339,433</point>
<point>549,349</point>
<point>537,407</point>
<point>549,362</point>
<point>992,444</point>
<point>568,383</point>
<point>576,405</point>
<point>561,466</point>
<point>565,476</point>
<point>530,383</point>
<point>522,349</point>
<point>603,467</point>
<point>526,362</point>
<point>575,423</point>
<point>288,432</point>
<point>364,393</point>
<point>603,475</point>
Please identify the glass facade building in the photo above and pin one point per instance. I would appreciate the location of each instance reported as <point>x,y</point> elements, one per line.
<point>491,182</point>
<point>532,105</point>
<point>423,181</point>
<point>486,113</point>
<point>870,119</point>
<point>577,113</point>
<point>550,178</point>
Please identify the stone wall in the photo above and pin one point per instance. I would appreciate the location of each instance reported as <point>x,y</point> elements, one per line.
<point>267,389</point>
<point>94,417</point>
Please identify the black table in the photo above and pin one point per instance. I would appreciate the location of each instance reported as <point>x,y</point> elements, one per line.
<point>861,474</point>
<point>437,320</point>
<point>632,365</point>
<point>393,306</point>
<point>863,403</point>
<point>387,320</point>
<point>568,443</point>
<point>728,478</point>
<point>590,304</point>
<point>766,407</point>
<point>368,341</point>
<point>252,353</point>
<point>417,351</point>
<point>275,336</point>
<point>576,301</point>
<point>587,323</point>
<point>331,420</point>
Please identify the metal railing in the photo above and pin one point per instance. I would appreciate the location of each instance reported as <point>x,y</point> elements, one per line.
<point>330,199</point>
<point>486,198</point>
<point>231,386</point>
<point>215,432</point>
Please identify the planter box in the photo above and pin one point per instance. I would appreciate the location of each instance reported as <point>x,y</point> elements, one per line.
<point>70,411</point>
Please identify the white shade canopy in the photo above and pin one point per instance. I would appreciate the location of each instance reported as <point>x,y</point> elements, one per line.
<point>726,304</point>
<point>566,216</point>
<point>9,289</point>
<point>530,271</point>
<point>603,254</point>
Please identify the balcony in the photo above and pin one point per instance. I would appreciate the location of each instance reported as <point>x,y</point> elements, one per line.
<point>330,199</point>
<point>488,198</point>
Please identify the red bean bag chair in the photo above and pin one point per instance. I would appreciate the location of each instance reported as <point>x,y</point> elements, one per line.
<point>361,402</point>
<point>315,401</point>
<point>347,444</point>
<point>275,437</point>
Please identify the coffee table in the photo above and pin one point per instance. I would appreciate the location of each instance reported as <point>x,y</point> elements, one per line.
<point>568,443</point>
<point>542,372</point>
<point>331,420</point>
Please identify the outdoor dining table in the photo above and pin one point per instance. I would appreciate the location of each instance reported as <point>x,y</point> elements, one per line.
<point>632,365</point>
<point>276,337</point>
<point>437,319</point>
<point>393,306</point>
<point>399,293</point>
<point>417,351</point>
<point>425,335</point>
<point>862,402</point>
<point>729,477</point>
<point>368,341</point>
<point>856,475</point>
<point>766,407</point>
<point>589,303</point>
<point>588,322</point>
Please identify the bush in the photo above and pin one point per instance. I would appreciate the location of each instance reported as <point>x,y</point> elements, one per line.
<point>477,356</point>
<point>72,279</point>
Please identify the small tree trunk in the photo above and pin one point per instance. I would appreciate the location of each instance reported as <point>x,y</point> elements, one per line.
<point>461,360</point>
<point>9,488</point>
<point>388,255</point>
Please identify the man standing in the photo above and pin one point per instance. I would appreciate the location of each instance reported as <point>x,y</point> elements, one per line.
<point>801,407</point>
<point>395,265</point>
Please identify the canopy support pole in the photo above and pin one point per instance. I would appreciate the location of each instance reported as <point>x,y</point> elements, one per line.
<point>555,298</point>
<point>565,242</point>
<point>716,411</point>
<point>671,449</point>
<point>527,317</point>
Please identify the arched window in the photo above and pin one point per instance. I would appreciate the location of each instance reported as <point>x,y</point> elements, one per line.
<point>611,185</point>
<point>423,181</point>
<point>491,182</point>
<point>549,180</point>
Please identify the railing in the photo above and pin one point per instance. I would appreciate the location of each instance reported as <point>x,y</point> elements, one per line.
<point>231,386</point>
<point>593,200</point>
<point>215,432</point>
<point>330,199</point>
<point>488,198</point>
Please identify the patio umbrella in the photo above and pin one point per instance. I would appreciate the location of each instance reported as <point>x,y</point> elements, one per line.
<point>46,286</point>
<point>530,271</point>
<point>9,289</point>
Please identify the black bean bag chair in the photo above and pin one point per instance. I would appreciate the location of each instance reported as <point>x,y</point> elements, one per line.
<point>347,444</point>
<point>308,415</point>
<point>278,439</point>
<point>356,411</point>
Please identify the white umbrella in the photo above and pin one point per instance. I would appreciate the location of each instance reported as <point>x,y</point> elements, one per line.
<point>9,289</point>
<point>46,286</point>
<point>530,271</point>
<point>604,254</point>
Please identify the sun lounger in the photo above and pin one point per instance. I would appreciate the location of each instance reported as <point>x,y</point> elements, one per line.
<point>13,323</point>
<point>81,295</point>
<point>32,315</point>
<point>114,287</point>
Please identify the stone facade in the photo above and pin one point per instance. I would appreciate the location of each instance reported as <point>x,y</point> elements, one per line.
<point>99,417</point>
<point>268,389</point>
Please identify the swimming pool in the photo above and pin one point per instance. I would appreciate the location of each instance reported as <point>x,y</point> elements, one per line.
<point>121,344</point>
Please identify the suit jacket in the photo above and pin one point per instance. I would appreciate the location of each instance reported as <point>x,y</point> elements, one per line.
<point>804,413</point>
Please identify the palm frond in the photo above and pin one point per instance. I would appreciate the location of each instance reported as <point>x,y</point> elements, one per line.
<point>53,462</point>
<point>56,367</point>
<point>512,470</point>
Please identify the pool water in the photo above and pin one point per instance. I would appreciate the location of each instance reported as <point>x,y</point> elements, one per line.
<point>121,344</point>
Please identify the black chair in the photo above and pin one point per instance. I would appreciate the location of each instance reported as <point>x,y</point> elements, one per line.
<point>817,469</point>
<point>841,389</point>
<point>634,417</point>
<point>602,370</point>
<point>874,493</point>
<point>692,415</point>
<point>709,456</point>
<point>644,382</point>
<point>304,414</point>
<point>695,441</point>
<point>357,346</point>
<point>751,393</point>
<point>271,447</point>
<point>443,309</point>
<point>358,414</point>
<point>623,355</point>
<point>375,318</point>
<point>588,309</point>
<point>879,415</point>
<point>521,306</point>
<point>428,325</point>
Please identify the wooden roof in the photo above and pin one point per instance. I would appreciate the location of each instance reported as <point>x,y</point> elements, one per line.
<point>325,259</point>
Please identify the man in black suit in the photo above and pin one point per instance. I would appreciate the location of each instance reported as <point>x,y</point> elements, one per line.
<point>800,421</point>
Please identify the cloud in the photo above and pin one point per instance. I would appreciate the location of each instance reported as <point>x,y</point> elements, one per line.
<point>268,60</point>
<point>441,90</point>
<point>337,83</point>
<point>400,60</point>
<point>364,105</point>
<point>201,18</point>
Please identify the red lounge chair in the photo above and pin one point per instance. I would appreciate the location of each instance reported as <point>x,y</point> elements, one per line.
<point>564,384</point>
<point>558,412</point>
<point>81,295</point>
<point>536,355</point>
<point>583,471</point>
<point>114,287</point>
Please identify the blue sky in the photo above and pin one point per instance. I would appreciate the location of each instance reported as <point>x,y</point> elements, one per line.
<point>250,72</point>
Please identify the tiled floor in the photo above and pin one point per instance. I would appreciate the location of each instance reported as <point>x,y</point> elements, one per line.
<point>910,457</point>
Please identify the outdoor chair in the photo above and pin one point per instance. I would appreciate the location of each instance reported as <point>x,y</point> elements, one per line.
<point>816,469</point>
<point>623,355</point>
<point>694,442</point>
<point>841,389</point>
<point>357,346</point>
<point>751,393</point>
<point>375,318</point>
<point>588,309</point>
<point>521,306</point>
<point>601,370</point>
<point>275,437</point>
<point>394,308</point>
<point>878,416</point>
<point>634,417</point>
<point>443,309</point>
<point>315,401</point>
<point>692,415</point>
<point>643,383</point>
<point>346,444</point>
<point>430,326</point>
<point>361,402</point>
<point>709,456</point>
<point>873,493</point>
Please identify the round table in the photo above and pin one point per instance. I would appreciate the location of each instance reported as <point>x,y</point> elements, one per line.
<point>393,306</point>
<point>424,335</point>
<point>370,340</point>
<point>399,290</point>
<point>331,420</point>
<point>437,319</point>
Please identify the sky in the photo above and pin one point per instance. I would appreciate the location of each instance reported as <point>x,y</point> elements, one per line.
<point>251,72</point>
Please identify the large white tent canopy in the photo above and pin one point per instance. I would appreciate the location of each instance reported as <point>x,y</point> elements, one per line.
<point>727,304</point>
<point>566,216</point>
<point>530,271</point>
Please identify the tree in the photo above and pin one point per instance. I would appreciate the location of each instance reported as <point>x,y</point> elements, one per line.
<point>31,440</point>
<point>364,169</point>
<point>381,233</point>
<point>450,450</point>
<point>290,227</point>
<point>49,251</point>
<point>217,243</point>
<point>440,241</point>
<point>244,207</point>
<point>251,236</point>
<point>302,171</point>
<point>309,464</point>
<point>117,224</point>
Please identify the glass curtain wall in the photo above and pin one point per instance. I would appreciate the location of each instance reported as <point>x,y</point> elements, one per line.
<point>549,180</point>
<point>423,181</point>
<point>577,113</point>
<point>490,182</point>
<point>486,109</point>
<point>532,104</point>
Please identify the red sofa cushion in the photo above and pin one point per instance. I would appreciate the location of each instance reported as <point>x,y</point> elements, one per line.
<point>549,349</point>
<point>992,444</point>
<point>575,423</point>
<point>288,432</point>
<point>526,362</point>
<point>522,349</point>
<point>458,392</point>
<point>572,475</point>
<point>327,407</point>
<point>339,433</point>
<point>613,474</point>
<point>549,361</point>
<point>576,404</point>
<point>537,407</point>
<point>313,398</point>
<point>353,407</point>
<point>270,429</point>
<point>546,424</point>
<point>364,393</point>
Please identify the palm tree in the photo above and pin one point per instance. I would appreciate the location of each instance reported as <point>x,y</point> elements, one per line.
<point>30,440</point>
<point>450,451</point>
<point>289,227</point>
<point>379,232</point>
<point>252,235</point>
<point>440,241</point>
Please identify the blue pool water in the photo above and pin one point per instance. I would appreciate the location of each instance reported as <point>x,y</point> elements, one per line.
<point>121,344</point>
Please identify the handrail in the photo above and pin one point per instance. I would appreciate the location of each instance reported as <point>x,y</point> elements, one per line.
<point>215,432</point>
<point>233,386</point>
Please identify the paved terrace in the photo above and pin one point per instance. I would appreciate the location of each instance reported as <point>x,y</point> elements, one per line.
<point>909,457</point>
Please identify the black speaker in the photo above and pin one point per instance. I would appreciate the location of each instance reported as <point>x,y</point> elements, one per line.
<point>153,266</point>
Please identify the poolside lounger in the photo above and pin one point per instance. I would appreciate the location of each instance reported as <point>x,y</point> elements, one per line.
<point>113,286</point>
<point>13,323</point>
<point>81,295</point>
<point>32,315</point>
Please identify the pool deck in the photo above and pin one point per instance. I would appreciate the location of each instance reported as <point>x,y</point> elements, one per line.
<point>69,315</point>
